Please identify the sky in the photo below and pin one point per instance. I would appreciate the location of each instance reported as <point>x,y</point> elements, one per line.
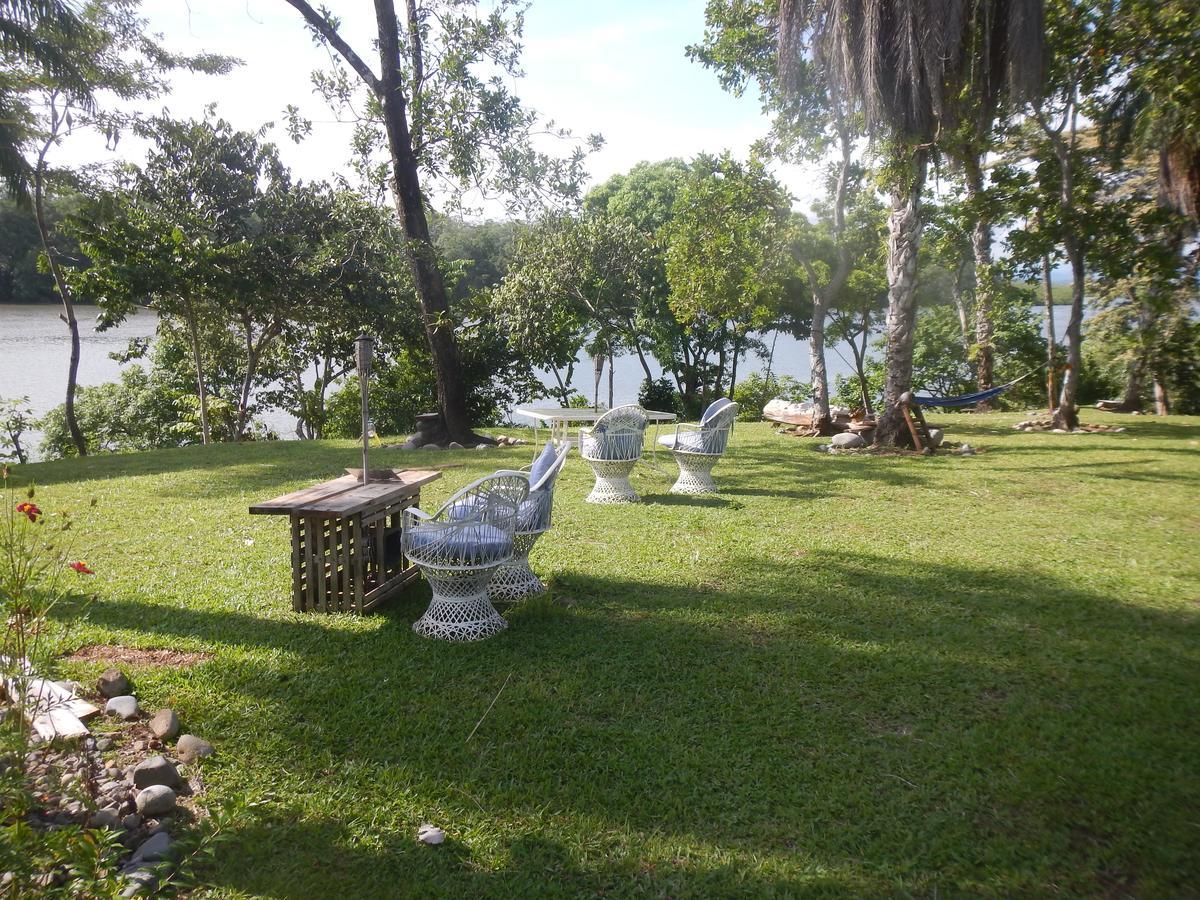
<point>617,68</point>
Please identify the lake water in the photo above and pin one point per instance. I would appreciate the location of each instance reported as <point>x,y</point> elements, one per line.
<point>34,348</point>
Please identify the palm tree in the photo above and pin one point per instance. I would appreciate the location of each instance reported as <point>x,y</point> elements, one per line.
<point>917,69</point>
<point>23,38</point>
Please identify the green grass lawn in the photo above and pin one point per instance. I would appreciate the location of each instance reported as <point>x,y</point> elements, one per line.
<point>844,676</point>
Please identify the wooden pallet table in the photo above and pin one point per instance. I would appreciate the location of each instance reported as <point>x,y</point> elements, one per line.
<point>346,553</point>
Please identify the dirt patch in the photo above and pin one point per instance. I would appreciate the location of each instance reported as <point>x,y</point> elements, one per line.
<point>137,656</point>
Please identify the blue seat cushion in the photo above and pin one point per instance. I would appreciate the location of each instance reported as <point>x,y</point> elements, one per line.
<point>460,546</point>
<point>689,441</point>
<point>543,463</point>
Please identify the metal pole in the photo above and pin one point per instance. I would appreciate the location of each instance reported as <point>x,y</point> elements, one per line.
<point>363,345</point>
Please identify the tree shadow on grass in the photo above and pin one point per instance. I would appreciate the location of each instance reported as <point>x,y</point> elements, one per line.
<point>904,723</point>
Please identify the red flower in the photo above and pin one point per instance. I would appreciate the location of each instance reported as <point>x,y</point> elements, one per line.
<point>30,510</point>
<point>81,568</point>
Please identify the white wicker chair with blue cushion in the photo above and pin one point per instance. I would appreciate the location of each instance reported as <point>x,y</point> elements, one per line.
<point>612,448</point>
<point>516,581</point>
<point>697,448</point>
<point>459,549</point>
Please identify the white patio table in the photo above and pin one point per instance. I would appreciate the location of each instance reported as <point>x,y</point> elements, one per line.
<point>559,418</point>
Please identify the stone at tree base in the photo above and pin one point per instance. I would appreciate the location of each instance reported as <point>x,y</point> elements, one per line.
<point>104,743</point>
<point>125,706</point>
<point>156,800</point>
<point>847,440</point>
<point>155,770</point>
<point>190,748</point>
<point>936,436</point>
<point>455,445</point>
<point>165,724</point>
<point>113,683</point>
<point>131,821</point>
<point>104,818</point>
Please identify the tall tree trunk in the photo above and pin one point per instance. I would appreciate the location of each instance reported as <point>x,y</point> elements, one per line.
<point>985,279</point>
<point>904,241</point>
<point>816,362</point>
<point>198,364</point>
<point>1066,416</point>
<point>737,351</point>
<point>389,89</point>
<point>1162,406</point>
<point>1050,339</point>
<point>963,278</point>
<point>610,379</point>
<point>64,293</point>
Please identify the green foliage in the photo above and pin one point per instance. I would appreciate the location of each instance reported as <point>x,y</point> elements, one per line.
<point>725,243</point>
<point>659,394</point>
<point>756,390</point>
<point>21,280</point>
<point>141,411</point>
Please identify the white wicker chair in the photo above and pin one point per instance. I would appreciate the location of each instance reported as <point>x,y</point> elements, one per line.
<point>612,448</point>
<point>459,549</point>
<point>516,581</point>
<point>697,448</point>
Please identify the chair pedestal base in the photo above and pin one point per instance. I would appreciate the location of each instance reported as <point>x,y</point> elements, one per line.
<point>695,473</point>
<point>460,609</point>
<point>515,580</point>
<point>612,481</point>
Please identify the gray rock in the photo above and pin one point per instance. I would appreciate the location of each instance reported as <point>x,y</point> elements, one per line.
<point>73,686</point>
<point>142,882</point>
<point>847,440</point>
<point>156,800</point>
<point>154,849</point>
<point>484,446</point>
<point>155,770</point>
<point>431,447</point>
<point>190,748</point>
<point>124,706</point>
<point>105,818</point>
<point>104,743</point>
<point>455,445</point>
<point>113,683</point>
<point>936,436</point>
<point>131,821</point>
<point>966,450</point>
<point>165,724</point>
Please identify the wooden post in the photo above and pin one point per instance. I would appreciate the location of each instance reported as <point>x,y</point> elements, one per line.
<point>905,400</point>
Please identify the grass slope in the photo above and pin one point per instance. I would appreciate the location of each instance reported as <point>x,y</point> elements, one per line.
<point>844,676</point>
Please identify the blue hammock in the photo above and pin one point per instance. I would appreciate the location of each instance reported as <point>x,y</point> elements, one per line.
<point>968,399</point>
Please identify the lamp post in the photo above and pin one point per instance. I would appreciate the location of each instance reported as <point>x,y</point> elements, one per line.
<point>364,344</point>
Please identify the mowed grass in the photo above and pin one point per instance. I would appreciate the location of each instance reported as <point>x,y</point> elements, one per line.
<point>843,676</point>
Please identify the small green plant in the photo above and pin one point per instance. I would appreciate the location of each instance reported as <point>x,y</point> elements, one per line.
<point>37,576</point>
<point>16,418</point>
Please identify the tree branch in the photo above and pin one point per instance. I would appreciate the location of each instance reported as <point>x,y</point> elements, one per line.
<point>330,34</point>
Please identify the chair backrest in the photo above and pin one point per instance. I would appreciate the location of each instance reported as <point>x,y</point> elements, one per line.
<point>715,430</point>
<point>546,483</point>
<point>713,408</point>
<point>619,433</point>
<point>492,500</point>
<point>535,512</point>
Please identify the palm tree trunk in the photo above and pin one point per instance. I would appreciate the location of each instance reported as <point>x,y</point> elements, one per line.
<point>817,369</point>
<point>904,240</point>
<point>1050,339</point>
<point>1066,416</point>
<point>985,281</point>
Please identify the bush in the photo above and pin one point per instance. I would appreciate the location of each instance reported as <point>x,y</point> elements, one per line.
<point>139,412</point>
<point>756,390</point>
<point>660,395</point>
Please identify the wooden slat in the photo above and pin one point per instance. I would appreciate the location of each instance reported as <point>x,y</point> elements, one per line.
<point>310,564</point>
<point>297,565</point>
<point>360,565</point>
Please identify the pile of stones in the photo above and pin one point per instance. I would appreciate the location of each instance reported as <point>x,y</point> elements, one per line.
<point>129,780</point>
